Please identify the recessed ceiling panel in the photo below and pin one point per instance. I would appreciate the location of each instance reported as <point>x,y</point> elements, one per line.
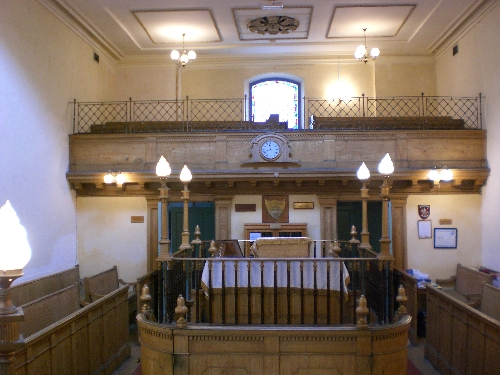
<point>242,17</point>
<point>167,26</point>
<point>379,20</point>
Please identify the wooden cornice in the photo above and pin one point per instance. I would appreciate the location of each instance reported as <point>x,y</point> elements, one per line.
<point>322,163</point>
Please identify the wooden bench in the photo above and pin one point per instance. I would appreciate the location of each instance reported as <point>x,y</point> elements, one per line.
<point>62,338</point>
<point>97,286</point>
<point>466,285</point>
<point>490,301</point>
<point>47,310</point>
<point>387,123</point>
<point>461,339</point>
<point>31,290</point>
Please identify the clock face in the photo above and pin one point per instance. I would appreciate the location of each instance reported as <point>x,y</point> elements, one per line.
<point>270,150</point>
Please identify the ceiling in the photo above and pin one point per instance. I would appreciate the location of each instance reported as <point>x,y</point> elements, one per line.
<point>135,29</point>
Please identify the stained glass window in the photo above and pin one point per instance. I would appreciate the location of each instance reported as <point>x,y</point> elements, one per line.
<point>275,97</point>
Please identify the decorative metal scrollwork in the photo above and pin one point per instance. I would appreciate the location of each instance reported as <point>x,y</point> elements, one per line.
<point>273,25</point>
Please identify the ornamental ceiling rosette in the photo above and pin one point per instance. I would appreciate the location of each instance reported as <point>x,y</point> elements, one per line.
<point>273,25</point>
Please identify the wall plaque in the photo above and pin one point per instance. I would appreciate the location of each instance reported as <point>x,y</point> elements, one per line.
<point>303,205</point>
<point>242,207</point>
<point>137,219</point>
<point>275,208</point>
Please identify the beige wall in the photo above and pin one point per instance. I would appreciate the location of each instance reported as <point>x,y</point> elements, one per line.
<point>43,67</point>
<point>146,83</point>
<point>107,237</point>
<point>475,69</point>
<point>464,211</point>
<point>312,217</point>
<point>204,81</point>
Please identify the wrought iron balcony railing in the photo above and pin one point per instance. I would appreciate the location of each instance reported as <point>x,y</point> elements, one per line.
<point>201,115</point>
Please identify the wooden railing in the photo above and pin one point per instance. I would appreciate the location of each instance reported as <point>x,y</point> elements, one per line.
<point>201,115</point>
<point>300,289</point>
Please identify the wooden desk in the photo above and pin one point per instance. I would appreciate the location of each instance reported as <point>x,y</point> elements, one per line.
<point>274,230</point>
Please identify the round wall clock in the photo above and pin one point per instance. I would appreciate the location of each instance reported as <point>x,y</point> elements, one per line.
<point>270,150</point>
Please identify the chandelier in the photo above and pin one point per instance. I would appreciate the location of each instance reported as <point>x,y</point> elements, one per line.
<point>183,58</point>
<point>362,51</point>
<point>273,25</point>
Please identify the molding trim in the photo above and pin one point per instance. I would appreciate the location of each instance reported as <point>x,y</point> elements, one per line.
<point>83,28</point>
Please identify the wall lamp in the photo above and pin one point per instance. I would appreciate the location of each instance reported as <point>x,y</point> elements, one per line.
<point>111,177</point>
<point>437,175</point>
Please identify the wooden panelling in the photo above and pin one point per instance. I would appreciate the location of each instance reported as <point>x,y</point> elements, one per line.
<point>93,340</point>
<point>280,350</point>
<point>325,158</point>
<point>460,339</point>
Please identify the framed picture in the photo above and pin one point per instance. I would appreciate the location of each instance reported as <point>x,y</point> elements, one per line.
<point>424,229</point>
<point>445,238</point>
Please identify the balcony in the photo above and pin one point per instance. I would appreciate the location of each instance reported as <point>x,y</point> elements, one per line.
<point>219,142</point>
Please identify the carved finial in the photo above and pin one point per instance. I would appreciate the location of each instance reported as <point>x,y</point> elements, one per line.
<point>212,250</point>
<point>354,233</point>
<point>180,312</point>
<point>402,300</point>
<point>336,248</point>
<point>197,235</point>
<point>146,308</point>
<point>362,313</point>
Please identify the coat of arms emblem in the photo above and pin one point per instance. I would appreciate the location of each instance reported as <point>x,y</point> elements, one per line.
<point>424,210</point>
<point>275,207</point>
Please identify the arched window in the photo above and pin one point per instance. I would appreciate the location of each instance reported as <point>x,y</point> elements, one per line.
<point>276,96</point>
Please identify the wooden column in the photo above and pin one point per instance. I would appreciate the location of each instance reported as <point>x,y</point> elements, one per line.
<point>328,210</point>
<point>399,246</point>
<point>152,240</point>
<point>223,217</point>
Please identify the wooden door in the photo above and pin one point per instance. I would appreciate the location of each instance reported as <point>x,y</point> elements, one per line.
<point>199,213</point>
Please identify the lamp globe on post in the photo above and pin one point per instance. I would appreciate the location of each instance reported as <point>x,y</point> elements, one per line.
<point>15,252</point>
<point>163,171</point>
<point>363,174</point>
<point>385,168</point>
<point>185,177</point>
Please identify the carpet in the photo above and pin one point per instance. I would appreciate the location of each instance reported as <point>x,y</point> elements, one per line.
<point>139,372</point>
<point>412,370</point>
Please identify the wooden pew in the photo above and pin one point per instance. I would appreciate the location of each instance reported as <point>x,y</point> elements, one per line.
<point>97,286</point>
<point>466,285</point>
<point>37,288</point>
<point>461,339</point>
<point>90,340</point>
<point>47,310</point>
<point>101,284</point>
<point>388,123</point>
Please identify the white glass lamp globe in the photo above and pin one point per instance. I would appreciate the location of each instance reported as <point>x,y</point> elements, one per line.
<point>386,167</point>
<point>446,175</point>
<point>360,52</point>
<point>108,178</point>
<point>374,53</point>
<point>363,172</point>
<point>186,175</point>
<point>15,251</point>
<point>174,55</point>
<point>163,168</point>
<point>434,175</point>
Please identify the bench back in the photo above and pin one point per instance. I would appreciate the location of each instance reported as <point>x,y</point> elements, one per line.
<point>490,301</point>
<point>103,283</point>
<point>470,281</point>
<point>49,309</point>
<point>31,290</point>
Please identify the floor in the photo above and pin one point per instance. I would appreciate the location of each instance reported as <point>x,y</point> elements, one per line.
<point>415,354</point>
